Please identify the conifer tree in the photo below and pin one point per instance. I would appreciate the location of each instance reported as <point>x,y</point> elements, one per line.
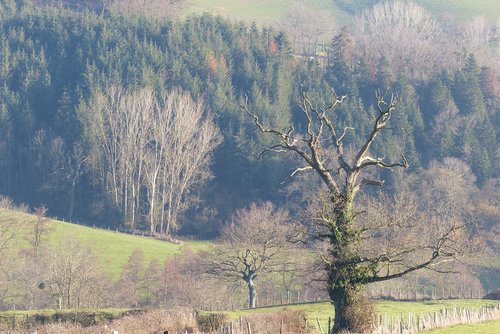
<point>466,89</point>
<point>384,75</point>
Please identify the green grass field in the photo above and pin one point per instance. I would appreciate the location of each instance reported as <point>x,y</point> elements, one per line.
<point>114,249</point>
<point>462,10</point>
<point>488,327</point>
<point>266,11</point>
<point>324,310</point>
<point>271,11</point>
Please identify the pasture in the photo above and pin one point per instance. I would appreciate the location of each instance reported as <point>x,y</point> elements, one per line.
<point>342,11</point>
<point>323,310</point>
<point>113,249</point>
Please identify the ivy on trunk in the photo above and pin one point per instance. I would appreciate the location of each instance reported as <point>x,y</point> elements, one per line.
<point>348,268</point>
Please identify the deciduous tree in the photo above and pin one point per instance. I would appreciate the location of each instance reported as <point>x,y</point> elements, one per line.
<point>255,243</point>
<point>158,146</point>
<point>349,265</point>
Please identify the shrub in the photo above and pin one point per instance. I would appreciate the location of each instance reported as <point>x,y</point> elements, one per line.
<point>211,322</point>
<point>294,322</point>
<point>493,295</point>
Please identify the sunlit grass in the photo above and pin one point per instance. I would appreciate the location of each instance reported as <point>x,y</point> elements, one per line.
<point>265,11</point>
<point>463,10</point>
<point>113,249</point>
<point>480,328</point>
<point>271,11</point>
<point>324,310</point>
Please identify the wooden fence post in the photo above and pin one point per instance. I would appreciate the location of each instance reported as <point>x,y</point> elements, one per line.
<point>319,325</point>
<point>249,329</point>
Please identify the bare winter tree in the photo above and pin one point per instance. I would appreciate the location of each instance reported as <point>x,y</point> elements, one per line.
<point>11,221</point>
<point>254,243</point>
<point>349,265</point>
<point>405,34</point>
<point>301,24</point>
<point>141,144</point>
<point>187,138</point>
<point>73,277</point>
<point>117,135</point>
<point>40,229</point>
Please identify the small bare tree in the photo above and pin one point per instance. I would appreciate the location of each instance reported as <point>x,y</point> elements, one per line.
<point>40,228</point>
<point>254,243</point>
<point>73,277</point>
<point>349,264</point>
<point>11,222</point>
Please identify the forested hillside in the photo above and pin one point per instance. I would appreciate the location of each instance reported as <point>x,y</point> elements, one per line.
<point>120,118</point>
<point>62,70</point>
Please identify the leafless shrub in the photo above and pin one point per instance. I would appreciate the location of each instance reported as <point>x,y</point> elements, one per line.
<point>150,321</point>
<point>212,321</point>
<point>8,204</point>
<point>293,321</point>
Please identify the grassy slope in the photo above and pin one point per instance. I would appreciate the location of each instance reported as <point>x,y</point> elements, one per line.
<point>114,248</point>
<point>481,328</point>
<point>324,310</point>
<point>271,11</point>
<point>462,10</point>
<point>265,11</point>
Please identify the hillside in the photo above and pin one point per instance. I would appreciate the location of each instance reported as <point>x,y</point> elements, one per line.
<point>113,248</point>
<point>342,11</point>
<point>70,140</point>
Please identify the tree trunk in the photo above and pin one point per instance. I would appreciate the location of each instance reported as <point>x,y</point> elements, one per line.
<point>343,274</point>
<point>338,320</point>
<point>252,293</point>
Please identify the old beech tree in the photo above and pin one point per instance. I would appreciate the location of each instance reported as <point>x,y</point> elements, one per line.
<point>348,266</point>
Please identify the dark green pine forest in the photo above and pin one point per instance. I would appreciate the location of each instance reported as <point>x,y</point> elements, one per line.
<point>56,65</point>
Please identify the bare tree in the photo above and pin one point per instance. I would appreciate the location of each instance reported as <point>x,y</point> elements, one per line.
<point>255,242</point>
<point>161,146</point>
<point>189,139</point>
<point>348,264</point>
<point>11,221</point>
<point>72,274</point>
<point>301,24</point>
<point>405,34</point>
<point>40,228</point>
